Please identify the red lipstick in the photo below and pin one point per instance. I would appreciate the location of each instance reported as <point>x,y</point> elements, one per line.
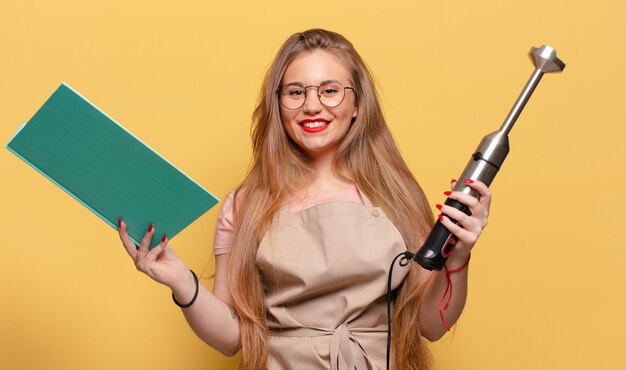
<point>314,129</point>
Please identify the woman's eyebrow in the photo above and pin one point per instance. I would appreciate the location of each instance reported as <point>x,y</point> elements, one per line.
<point>302,85</point>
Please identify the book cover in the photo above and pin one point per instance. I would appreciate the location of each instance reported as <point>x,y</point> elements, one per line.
<point>106,168</point>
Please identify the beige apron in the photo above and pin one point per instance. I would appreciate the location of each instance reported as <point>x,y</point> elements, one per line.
<point>325,275</point>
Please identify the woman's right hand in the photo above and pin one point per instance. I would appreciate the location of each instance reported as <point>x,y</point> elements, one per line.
<point>210,317</point>
<point>160,263</point>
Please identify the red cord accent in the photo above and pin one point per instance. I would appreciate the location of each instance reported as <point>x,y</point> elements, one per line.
<point>443,307</point>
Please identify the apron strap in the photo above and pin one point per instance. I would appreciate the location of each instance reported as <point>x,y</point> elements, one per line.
<point>346,353</point>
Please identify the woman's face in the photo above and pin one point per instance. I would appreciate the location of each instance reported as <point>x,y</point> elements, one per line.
<point>316,129</point>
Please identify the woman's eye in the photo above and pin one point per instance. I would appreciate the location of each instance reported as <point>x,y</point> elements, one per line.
<point>296,92</point>
<point>329,91</point>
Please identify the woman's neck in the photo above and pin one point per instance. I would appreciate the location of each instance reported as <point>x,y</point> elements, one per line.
<point>325,181</point>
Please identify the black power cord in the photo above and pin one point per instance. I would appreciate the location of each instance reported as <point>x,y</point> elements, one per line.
<point>406,259</point>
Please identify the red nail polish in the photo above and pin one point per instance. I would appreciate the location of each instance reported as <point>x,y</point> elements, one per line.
<point>440,217</point>
<point>468,181</point>
<point>119,222</point>
<point>452,181</point>
<point>150,228</point>
<point>438,206</point>
<point>447,193</point>
<point>164,238</point>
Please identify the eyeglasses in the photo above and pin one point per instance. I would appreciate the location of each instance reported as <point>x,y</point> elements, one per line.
<point>331,94</point>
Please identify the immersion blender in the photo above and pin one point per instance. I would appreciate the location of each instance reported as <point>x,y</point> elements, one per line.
<point>485,162</point>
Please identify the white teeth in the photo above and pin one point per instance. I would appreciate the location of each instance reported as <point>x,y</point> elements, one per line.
<point>314,124</point>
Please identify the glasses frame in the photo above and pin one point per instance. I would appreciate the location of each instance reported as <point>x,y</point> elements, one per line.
<point>317,88</point>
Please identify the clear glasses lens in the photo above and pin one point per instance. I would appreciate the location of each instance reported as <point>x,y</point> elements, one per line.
<point>331,94</point>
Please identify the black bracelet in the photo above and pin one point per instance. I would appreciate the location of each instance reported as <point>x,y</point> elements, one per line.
<point>195,295</point>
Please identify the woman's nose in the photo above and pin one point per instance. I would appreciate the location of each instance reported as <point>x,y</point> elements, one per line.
<point>312,103</point>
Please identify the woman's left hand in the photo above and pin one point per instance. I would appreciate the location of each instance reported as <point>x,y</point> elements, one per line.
<point>469,228</point>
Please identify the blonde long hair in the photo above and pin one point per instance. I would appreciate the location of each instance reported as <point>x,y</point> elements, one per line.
<point>367,155</point>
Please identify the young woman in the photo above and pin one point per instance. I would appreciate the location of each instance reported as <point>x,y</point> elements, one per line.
<point>304,244</point>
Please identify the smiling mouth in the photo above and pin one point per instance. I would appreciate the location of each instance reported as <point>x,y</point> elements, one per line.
<point>315,125</point>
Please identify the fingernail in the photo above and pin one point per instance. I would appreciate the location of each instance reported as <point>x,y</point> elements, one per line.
<point>452,181</point>
<point>447,193</point>
<point>468,181</point>
<point>438,206</point>
<point>440,217</point>
<point>164,238</point>
<point>150,228</point>
<point>119,222</point>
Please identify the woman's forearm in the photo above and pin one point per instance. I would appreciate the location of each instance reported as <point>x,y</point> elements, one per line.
<point>431,325</point>
<point>211,319</point>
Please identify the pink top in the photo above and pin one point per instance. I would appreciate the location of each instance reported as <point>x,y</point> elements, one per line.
<point>224,229</point>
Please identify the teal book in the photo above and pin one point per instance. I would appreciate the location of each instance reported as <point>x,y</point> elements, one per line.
<point>107,169</point>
